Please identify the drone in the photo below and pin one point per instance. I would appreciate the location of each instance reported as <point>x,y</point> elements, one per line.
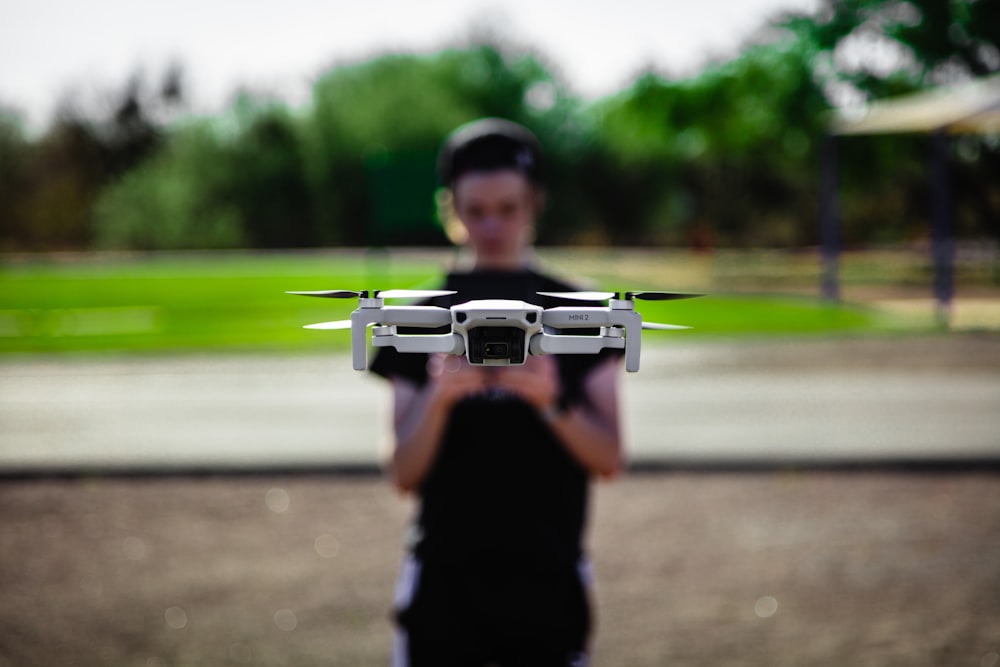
<point>497,332</point>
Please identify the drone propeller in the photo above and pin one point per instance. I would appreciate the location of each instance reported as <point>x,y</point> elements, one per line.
<point>659,296</point>
<point>331,294</point>
<point>414,293</point>
<point>629,296</point>
<point>330,326</point>
<point>656,326</point>
<point>385,294</point>
<point>580,296</point>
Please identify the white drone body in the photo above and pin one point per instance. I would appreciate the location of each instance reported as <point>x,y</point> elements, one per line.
<point>497,332</point>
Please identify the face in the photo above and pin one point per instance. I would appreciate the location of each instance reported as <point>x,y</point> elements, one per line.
<point>498,209</point>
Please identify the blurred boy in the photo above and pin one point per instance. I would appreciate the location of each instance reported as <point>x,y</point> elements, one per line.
<point>500,457</point>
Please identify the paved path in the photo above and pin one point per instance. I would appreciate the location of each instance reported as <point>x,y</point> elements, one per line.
<point>692,403</point>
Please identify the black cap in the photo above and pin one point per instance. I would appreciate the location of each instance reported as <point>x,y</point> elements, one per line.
<point>490,144</point>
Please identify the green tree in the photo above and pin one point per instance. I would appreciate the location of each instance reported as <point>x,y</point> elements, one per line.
<point>233,181</point>
<point>50,183</point>
<point>57,179</point>
<point>356,166</point>
<point>375,128</point>
<point>724,149</point>
<point>13,152</point>
<point>886,47</point>
<point>171,201</point>
<point>918,44</point>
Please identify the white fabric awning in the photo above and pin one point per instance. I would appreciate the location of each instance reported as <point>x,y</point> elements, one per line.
<point>972,107</point>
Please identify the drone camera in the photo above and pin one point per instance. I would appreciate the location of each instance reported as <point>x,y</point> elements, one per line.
<point>496,345</point>
<point>495,351</point>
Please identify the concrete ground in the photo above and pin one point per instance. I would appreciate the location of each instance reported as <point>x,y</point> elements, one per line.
<point>803,401</point>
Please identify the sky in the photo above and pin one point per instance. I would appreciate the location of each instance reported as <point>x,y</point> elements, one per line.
<point>84,48</point>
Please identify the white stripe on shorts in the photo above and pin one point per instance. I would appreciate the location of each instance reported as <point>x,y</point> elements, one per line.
<point>406,588</point>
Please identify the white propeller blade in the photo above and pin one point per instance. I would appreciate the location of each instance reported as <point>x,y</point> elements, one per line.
<point>328,293</point>
<point>339,324</point>
<point>656,326</point>
<point>660,296</point>
<point>414,293</point>
<point>580,296</point>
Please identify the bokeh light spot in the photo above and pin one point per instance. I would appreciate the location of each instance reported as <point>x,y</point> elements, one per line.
<point>285,619</point>
<point>176,618</point>
<point>327,546</point>
<point>541,96</point>
<point>765,607</point>
<point>277,500</point>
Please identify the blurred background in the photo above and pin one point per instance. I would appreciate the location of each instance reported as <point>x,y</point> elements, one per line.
<point>129,134</point>
<point>167,173</point>
<point>169,170</point>
<point>170,127</point>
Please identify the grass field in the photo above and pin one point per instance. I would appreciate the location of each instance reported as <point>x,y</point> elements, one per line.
<point>237,301</point>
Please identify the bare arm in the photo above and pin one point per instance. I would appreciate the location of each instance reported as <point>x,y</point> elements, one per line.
<point>591,430</point>
<point>420,415</point>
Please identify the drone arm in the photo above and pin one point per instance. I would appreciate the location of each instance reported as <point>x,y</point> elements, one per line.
<point>578,318</point>
<point>632,321</point>
<point>544,343</point>
<point>360,319</point>
<point>581,318</point>
<point>414,316</point>
<point>633,347</point>
<point>432,343</point>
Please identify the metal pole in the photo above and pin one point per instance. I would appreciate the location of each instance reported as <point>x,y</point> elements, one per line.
<point>942,237</point>
<point>829,219</point>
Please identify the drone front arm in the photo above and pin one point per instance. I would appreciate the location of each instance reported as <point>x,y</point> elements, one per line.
<point>581,318</point>
<point>430,343</point>
<point>413,316</point>
<point>544,343</point>
<point>585,318</point>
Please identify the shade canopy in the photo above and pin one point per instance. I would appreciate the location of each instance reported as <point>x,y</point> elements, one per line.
<point>968,108</point>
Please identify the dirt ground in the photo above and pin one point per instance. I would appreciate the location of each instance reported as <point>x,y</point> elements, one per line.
<point>693,568</point>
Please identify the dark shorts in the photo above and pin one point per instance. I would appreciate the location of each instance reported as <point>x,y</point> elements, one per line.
<point>450,616</point>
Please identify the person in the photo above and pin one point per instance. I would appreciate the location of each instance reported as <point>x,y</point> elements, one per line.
<point>500,457</point>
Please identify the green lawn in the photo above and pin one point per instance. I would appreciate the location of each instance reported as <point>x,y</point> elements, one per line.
<point>212,302</point>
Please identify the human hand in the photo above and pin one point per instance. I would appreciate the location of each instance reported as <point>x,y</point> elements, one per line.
<point>536,382</point>
<point>451,379</point>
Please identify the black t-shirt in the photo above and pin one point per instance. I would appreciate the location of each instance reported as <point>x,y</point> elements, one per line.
<point>503,489</point>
